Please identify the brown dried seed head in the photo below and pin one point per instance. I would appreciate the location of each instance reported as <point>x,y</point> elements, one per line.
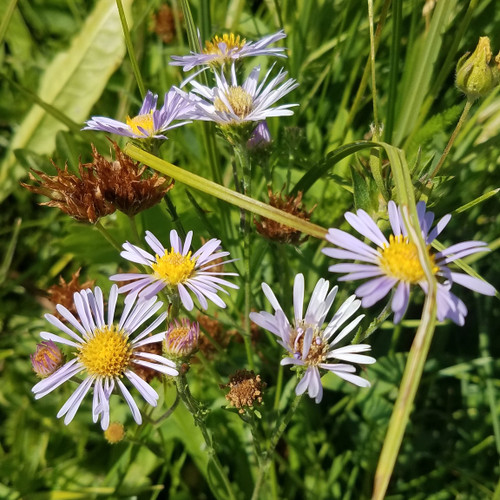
<point>129,187</point>
<point>164,23</point>
<point>79,197</point>
<point>280,232</point>
<point>245,390</point>
<point>63,292</point>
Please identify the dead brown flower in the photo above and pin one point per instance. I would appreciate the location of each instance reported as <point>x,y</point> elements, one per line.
<point>215,329</point>
<point>245,390</point>
<point>164,23</point>
<point>63,292</point>
<point>124,184</point>
<point>79,197</point>
<point>280,232</point>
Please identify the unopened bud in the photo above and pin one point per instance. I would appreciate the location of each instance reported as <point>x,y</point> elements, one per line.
<point>477,73</point>
<point>181,339</point>
<point>47,359</point>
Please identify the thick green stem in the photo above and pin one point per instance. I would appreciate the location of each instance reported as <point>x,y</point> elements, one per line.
<point>133,227</point>
<point>196,410</point>
<point>266,458</point>
<point>461,121</point>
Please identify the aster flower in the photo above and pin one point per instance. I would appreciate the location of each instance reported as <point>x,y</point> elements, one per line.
<point>229,48</point>
<point>181,339</point>
<point>47,359</point>
<point>310,345</point>
<point>395,263</point>
<point>177,270</point>
<point>105,353</point>
<point>231,104</point>
<point>149,122</point>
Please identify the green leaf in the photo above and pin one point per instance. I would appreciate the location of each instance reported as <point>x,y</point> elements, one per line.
<point>93,56</point>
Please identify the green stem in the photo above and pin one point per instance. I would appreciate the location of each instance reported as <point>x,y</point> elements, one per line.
<point>133,227</point>
<point>266,460</point>
<point>461,121</point>
<point>196,410</point>
<point>244,160</point>
<point>372,66</point>
<point>6,19</point>
<point>130,49</point>
<point>107,236</point>
<point>169,412</point>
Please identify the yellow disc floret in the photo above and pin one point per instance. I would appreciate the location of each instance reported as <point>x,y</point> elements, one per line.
<point>232,42</point>
<point>146,123</point>
<point>318,348</point>
<point>173,267</point>
<point>107,353</point>
<point>400,260</point>
<point>241,102</point>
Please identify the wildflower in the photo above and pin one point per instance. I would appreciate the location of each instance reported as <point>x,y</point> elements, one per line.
<point>245,390</point>
<point>145,372</point>
<point>149,122</point>
<point>63,292</point>
<point>79,197</point>
<point>177,270</point>
<point>181,339</point>
<point>281,232</point>
<point>477,74</point>
<point>230,104</point>
<point>105,353</point>
<point>311,346</point>
<point>47,359</point>
<point>124,184</point>
<point>229,48</point>
<point>395,263</point>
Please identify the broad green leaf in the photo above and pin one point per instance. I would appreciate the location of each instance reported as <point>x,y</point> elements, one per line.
<point>93,56</point>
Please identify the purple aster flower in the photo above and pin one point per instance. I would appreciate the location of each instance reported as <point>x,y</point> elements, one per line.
<point>231,104</point>
<point>177,270</point>
<point>229,48</point>
<point>310,345</point>
<point>105,353</point>
<point>149,122</point>
<point>395,263</point>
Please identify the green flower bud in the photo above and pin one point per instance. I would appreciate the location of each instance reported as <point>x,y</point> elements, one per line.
<point>477,74</point>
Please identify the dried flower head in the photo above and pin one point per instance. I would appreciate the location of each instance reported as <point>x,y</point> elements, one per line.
<point>63,292</point>
<point>181,339</point>
<point>47,359</point>
<point>129,187</point>
<point>114,433</point>
<point>280,232</point>
<point>245,390</point>
<point>164,23</point>
<point>79,197</point>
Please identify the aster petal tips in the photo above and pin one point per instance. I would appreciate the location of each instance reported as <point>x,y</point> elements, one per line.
<point>394,262</point>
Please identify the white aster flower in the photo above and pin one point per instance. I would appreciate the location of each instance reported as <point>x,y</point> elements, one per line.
<point>177,270</point>
<point>105,352</point>
<point>229,103</point>
<point>149,122</point>
<point>395,263</point>
<point>311,345</point>
<point>228,48</point>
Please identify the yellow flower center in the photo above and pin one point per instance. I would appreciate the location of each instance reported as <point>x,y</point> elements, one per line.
<point>174,268</point>
<point>241,102</point>
<point>400,260</point>
<point>107,353</point>
<point>146,123</point>
<point>317,351</point>
<point>231,41</point>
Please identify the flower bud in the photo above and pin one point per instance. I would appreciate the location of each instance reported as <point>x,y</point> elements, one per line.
<point>47,359</point>
<point>181,339</point>
<point>477,74</point>
<point>114,433</point>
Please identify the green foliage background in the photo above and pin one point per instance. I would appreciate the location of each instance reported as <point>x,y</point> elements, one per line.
<point>62,62</point>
